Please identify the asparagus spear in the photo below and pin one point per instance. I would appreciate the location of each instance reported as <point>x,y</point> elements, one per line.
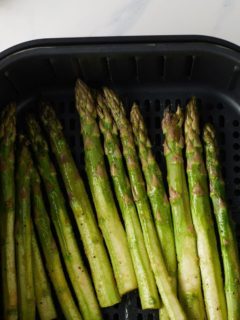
<point>50,251</point>
<point>24,234</point>
<point>152,243</point>
<point>189,280</point>
<point>44,300</point>
<point>77,271</point>
<point>156,193</point>
<point>7,216</point>
<point>202,218</point>
<point>108,218</point>
<point>225,228</point>
<point>146,283</point>
<point>101,269</point>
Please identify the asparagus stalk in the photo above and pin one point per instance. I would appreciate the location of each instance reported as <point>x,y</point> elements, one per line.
<point>77,271</point>
<point>43,295</point>
<point>152,243</point>
<point>202,218</point>
<point>156,193</point>
<point>189,280</point>
<point>146,284</point>
<point>7,216</point>
<point>24,234</point>
<point>101,269</point>
<point>228,242</point>
<point>108,218</point>
<point>50,251</point>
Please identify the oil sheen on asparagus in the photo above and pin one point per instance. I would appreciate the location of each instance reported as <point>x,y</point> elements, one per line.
<point>108,218</point>
<point>50,251</point>
<point>169,297</point>
<point>189,278</point>
<point>228,241</point>
<point>77,271</point>
<point>146,283</point>
<point>100,266</point>
<point>202,218</point>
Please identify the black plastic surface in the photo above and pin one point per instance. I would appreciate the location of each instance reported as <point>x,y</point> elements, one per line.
<point>156,73</point>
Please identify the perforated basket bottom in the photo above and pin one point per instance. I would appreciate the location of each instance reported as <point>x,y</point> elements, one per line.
<point>224,114</point>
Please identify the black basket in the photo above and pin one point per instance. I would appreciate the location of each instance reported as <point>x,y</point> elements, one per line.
<point>154,71</point>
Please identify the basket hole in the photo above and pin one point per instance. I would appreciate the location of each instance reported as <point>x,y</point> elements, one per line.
<point>222,138</point>
<point>236,157</point>
<point>147,104</point>
<point>223,155</point>
<point>157,105</point>
<point>220,106</point>
<point>237,192</point>
<point>157,123</point>
<point>62,107</point>
<point>139,317</point>
<point>221,121</point>
<point>237,169</point>
<point>235,146</point>
<point>235,134</point>
<point>71,107</point>
<point>237,180</point>
<point>115,316</point>
<point>72,141</point>
<point>224,172</point>
<point>157,139</point>
<point>167,103</point>
<point>235,123</point>
<point>72,124</point>
<point>210,119</point>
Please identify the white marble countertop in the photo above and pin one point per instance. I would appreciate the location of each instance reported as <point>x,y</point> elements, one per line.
<point>23,20</point>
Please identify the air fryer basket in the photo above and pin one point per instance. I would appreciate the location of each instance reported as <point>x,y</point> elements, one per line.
<point>154,71</point>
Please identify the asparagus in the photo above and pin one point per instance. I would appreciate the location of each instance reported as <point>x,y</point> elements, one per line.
<point>77,271</point>
<point>189,280</point>
<point>23,234</point>
<point>50,251</point>
<point>202,218</point>
<point>146,284</point>
<point>156,193</point>
<point>152,243</point>
<point>228,242</point>
<point>7,217</point>
<point>101,269</point>
<point>43,295</point>
<point>108,218</point>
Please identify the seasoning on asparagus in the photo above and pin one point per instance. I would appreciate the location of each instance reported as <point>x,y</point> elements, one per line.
<point>189,279</point>
<point>23,233</point>
<point>43,294</point>
<point>152,243</point>
<point>156,193</point>
<point>228,241</point>
<point>101,269</point>
<point>202,218</point>
<point>7,215</point>
<point>107,213</point>
<point>77,271</point>
<point>146,283</point>
<point>50,251</point>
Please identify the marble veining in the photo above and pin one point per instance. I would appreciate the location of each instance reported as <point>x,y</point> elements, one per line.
<point>32,19</point>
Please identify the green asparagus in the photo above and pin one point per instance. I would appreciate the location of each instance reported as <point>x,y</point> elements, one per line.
<point>146,284</point>
<point>77,271</point>
<point>108,218</point>
<point>152,243</point>
<point>23,233</point>
<point>101,269</point>
<point>189,279</point>
<point>43,295</point>
<point>202,218</point>
<point>50,251</point>
<point>156,193</point>
<point>225,228</point>
<point>7,215</point>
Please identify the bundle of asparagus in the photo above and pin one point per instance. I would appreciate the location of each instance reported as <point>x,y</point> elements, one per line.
<point>168,250</point>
